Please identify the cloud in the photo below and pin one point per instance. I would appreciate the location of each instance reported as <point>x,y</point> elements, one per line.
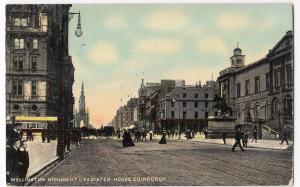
<point>233,21</point>
<point>166,20</point>
<point>213,45</point>
<point>156,46</point>
<point>103,53</point>
<point>115,22</point>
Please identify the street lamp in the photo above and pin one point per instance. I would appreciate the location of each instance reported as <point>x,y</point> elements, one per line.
<point>78,31</point>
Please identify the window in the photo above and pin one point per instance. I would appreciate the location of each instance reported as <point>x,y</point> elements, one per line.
<point>267,81</point>
<point>184,115</point>
<point>17,87</point>
<point>206,95</point>
<point>238,90</point>
<point>257,84</point>
<point>34,43</point>
<point>18,63</point>
<point>277,78</point>
<point>17,22</point>
<point>34,64</point>
<point>172,104</point>
<point>184,95</point>
<point>289,74</point>
<point>33,88</point>
<point>43,22</point>
<point>196,104</point>
<point>172,114</point>
<point>196,95</point>
<point>247,87</point>
<point>24,22</point>
<point>19,43</point>
<point>184,104</point>
<point>196,115</point>
<point>206,104</point>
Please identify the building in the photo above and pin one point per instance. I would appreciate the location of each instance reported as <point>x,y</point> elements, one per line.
<point>186,107</point>
<point>82,116</point>
<point>261,93</point>
<point>39,70</point>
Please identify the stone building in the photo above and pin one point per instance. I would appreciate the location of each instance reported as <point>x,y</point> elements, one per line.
<point>186,107</point>
<point>82,116</point>
<point>39,70</point>
<point>261,93</point>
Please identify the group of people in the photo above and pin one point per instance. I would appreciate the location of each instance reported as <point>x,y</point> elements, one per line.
<point>17,157</point>
<point>140,135</point>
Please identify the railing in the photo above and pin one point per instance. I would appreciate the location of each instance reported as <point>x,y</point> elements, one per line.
<point>26,71</point>
<point>26,98</point>
<point>227,70</point>
<point>270,131</point>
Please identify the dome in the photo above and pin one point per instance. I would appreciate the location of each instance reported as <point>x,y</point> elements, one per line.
<point>237,50</point>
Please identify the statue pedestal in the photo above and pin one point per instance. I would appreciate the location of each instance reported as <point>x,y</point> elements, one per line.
<point>219,124</point>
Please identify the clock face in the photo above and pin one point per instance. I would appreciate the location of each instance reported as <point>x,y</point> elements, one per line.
<point>239,61</point>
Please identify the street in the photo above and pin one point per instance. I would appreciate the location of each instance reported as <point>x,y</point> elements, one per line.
<point>106,162</point>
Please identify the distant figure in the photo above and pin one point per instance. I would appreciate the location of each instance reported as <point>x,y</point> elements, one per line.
<point>224,137</point>
<point>285,134</point>
<point>163,139</point>
<point>238,137</point>
<point>205,133</point>
<point>245,138</point>
<point>127,141</point>
<point>188,135</point>
<point>150,134</point>
<point>144,135</point>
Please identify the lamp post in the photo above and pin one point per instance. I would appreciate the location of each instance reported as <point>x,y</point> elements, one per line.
<point>62,114</point>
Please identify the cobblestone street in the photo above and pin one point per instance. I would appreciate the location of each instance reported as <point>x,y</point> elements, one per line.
<point>106,162</point>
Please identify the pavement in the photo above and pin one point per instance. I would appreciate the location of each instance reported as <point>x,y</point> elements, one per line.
<point>41,155</point>
<point>104,162</point>
<point>262,144</point>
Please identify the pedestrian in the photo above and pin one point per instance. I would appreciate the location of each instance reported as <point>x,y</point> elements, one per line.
<point>127,141</point>
<point>245,138</point>
<point>205,133</point>
<point>254,134</point>
<point>163,139</point>
<point>224,137</point>
<point>17,157</point>
<point>67,140</point>
<point>150,134</point>
<point>238,136</point>
<point>285,134</point>
<point>188,135</point>
<point>144,135</point>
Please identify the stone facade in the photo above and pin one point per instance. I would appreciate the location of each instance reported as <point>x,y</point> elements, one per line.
<point>261,93</point>
<point>187,107</point>
<point>39,70</point>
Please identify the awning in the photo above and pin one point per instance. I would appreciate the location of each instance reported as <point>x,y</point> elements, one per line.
<point>35,119</point>
<point>130,127</point>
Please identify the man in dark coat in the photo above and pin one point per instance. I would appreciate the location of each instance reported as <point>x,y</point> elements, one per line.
<point>254,134</point>
<point>17,157</point>
<point>163,139</point>
<point>224,137</point>
<point>238,137</point>
<point>285,134</point>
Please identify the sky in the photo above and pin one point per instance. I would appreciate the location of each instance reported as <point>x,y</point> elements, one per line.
<point>121,44</point>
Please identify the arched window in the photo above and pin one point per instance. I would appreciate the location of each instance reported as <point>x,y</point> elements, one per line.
<point>247,113</point>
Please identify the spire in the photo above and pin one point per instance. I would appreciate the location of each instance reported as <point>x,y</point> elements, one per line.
<point>142,84</point>
<point>82,87</point>
<point>237,45</point>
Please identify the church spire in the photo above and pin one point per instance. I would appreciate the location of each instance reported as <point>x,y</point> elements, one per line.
<point>82,88</point>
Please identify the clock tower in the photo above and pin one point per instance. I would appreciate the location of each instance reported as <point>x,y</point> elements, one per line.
<point>237,60</point>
